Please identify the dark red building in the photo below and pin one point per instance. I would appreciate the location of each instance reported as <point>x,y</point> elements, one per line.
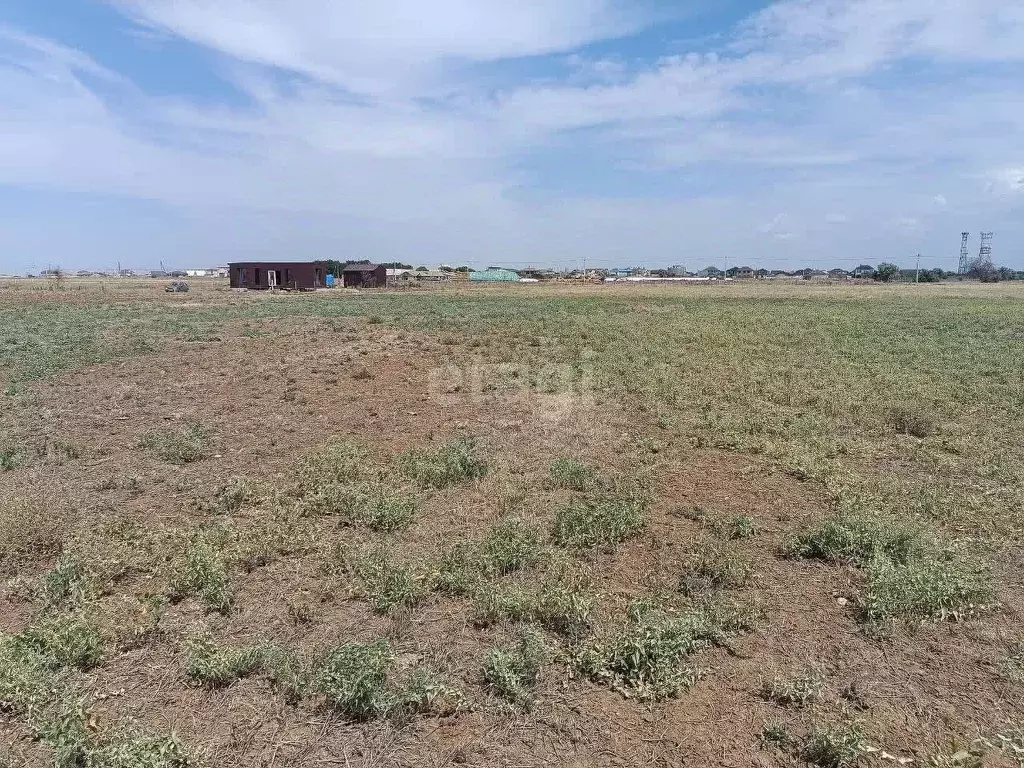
<point>261,275</point>
<point>363,274</point>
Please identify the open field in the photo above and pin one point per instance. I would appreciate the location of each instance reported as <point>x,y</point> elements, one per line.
<point>736,525</point>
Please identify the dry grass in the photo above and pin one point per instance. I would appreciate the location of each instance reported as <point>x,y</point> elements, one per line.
<point>494,584</point>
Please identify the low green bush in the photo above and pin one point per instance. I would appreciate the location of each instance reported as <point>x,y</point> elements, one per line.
<point>210,665</point>
<point>573,475</point>
<point>511,671</point>
<point>457,462</point>
<point>604,519</point>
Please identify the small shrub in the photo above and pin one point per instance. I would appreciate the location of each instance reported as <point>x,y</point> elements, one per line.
<point>455,463</point>
<point>644,658</point>
<point>69,581</point>
<point>291,675</point>
<point>140,751</point>
<point>353,678</point>
<point>741,527</point>
<point>603,520</point>
<point>178,447</point>
<point>511,672</point>
<point>494,603</point>
<point>776,733</point>
<point>797,692</point>
<point>377,505</point>
<point>63,729</point>
<point>714,569</point>
<point>27,677</point>
<point>423,692</point>
<point>834,747</point>
<point>216,667</point>
<point>511,545</point>
<point>858,540</point>
<point>461,569</point>
<point>203,573</point>
<point>66,641</point>
<point>557,605</point>
<point>927,588</point>
<point>235,494</point>
<point>912,420</point>
<point>339,462</point>
<point>390,585</point>
<point>563,608</point>
<point>573,475</point>
<point>10,458</point>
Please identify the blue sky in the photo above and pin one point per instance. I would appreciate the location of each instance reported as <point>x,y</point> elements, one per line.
<point>545,132</point>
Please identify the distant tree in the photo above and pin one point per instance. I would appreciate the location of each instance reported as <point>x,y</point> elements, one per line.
<point>422,269</point>
<point>1005,273</point>
<point>396,265</point>
<point>446,268</point>
<point>58,276</point>
<point>464,269</point>
<point>335,267</point>
<point>983,270</point>
<point>886,272</point>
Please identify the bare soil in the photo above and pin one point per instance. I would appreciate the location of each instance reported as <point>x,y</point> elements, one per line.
<point>271,399</point>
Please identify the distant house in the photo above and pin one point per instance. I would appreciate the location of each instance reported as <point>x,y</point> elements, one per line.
<point>838,274</point>
<point>761,274</point>
<point>399,276</point>
<point>363,274</point>
<point>741,272</point>
<point>435,276</point>
<point>264,275</point>
<point>864,270</point>
<point>494,275</point>
<point>710,272</point>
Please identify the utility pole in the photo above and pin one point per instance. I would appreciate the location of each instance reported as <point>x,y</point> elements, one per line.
<point>917,272</point>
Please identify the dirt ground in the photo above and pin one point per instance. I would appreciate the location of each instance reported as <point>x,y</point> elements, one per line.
<point>272,398</point>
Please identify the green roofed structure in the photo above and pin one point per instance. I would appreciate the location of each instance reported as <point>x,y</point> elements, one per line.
<point>494,275</point>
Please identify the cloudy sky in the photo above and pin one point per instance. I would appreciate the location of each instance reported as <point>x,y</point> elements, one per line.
<point>545,132</point>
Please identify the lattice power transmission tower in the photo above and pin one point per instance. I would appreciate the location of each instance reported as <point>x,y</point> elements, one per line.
<point>964,254</point>
<point>985,254</point>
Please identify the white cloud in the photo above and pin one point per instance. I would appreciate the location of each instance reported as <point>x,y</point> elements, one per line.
<point>374,46</point>
<point>389,143</point>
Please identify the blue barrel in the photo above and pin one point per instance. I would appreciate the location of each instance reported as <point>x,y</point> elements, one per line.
<point>330,281</point>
